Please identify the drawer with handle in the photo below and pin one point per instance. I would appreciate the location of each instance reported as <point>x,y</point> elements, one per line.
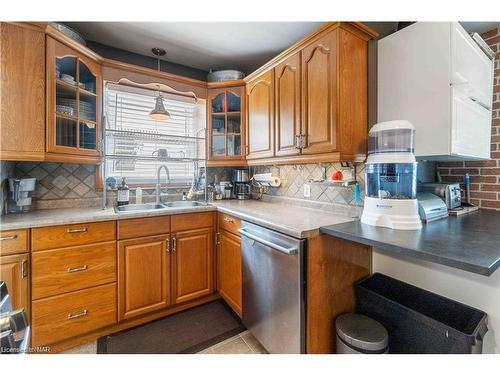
<point>229,223</point>
<point>71,235</point>
<point>14,241</point>
<point>72,314</point>
<point>65,270</point>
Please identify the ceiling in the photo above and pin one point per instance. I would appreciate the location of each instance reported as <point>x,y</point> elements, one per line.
<point>217,45</point>
<point>204,45</point>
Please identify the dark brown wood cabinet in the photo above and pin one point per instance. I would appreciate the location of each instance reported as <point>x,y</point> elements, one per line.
<point>193,264</point>
<point>260,116</point>
<point>143,275</point>
<point>229,281</point>
<point>226,124</point>
<point>319,94</point>
<point>22,94</point>
<point>288,94</point>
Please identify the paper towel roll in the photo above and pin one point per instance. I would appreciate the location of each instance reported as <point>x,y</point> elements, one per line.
<point>267,179</point>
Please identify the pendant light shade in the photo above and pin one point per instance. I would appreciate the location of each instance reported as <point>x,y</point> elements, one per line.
<point>159,112</point>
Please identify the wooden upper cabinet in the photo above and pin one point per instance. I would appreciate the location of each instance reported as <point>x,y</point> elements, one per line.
<point>22,93</point>
<point>226,124</point>
<point>319,94</point>
<point>74,95</point>
<point>260,116</point>
<point>143,275</point>
<point>287,88</point>
<point>193,264</point>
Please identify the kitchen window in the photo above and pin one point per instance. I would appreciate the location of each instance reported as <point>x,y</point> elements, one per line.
<point>137,145</point>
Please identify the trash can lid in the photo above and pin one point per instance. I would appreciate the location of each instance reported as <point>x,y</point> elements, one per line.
<point>362,332</point>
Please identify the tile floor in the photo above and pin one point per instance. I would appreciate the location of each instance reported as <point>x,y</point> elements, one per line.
<point>243,343</point>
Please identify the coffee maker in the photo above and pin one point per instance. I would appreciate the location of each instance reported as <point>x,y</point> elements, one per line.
<point>20,194</point>
<point>241,184</point>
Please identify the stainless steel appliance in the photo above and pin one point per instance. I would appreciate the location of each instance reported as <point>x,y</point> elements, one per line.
<point>273,288</point>
<point>21,191</point>
<point>448,192</point>
<point>241,183</point>
<point>431,207</point>
<point>14,328</point>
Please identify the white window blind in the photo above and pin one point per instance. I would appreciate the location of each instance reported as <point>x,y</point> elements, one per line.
<point>135,144</point>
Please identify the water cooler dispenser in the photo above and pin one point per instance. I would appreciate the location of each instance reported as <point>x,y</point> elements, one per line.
<point>391,177</point>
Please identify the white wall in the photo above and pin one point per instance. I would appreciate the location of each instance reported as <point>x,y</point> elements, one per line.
<point>478,291</point>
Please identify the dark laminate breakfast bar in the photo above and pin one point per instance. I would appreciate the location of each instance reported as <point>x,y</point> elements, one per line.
<point>469,242</point>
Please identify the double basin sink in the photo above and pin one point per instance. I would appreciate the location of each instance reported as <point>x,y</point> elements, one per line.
<point>158,206</point>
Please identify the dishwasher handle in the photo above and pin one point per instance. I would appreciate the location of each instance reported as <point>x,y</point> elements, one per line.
<point>285,250</point>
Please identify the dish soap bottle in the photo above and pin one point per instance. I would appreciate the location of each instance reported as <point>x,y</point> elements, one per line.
<point>123,193</point>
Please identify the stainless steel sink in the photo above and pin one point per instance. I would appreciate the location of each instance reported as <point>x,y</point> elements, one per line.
<point>139,207</point>
<point>185,204</point>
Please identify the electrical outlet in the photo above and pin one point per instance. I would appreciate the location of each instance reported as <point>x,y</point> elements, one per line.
<point>307,191</point>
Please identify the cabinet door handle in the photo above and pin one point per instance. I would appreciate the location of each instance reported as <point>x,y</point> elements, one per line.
<point>82,268</point>
<point>24,269</point>
<point>174,244</point>
<point>77,230</point>
<point>217,240</point>
<point>167,242</point>
<point>78,315</point>
<point>228,220</point>
<point>8,238</point>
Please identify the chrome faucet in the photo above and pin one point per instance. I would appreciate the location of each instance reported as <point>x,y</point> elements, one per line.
<point>158,185</point>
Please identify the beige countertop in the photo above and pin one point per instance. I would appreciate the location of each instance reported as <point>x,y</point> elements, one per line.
<point>296,221</point>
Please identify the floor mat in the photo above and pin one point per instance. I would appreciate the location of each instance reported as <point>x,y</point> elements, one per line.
<point>189,331</point>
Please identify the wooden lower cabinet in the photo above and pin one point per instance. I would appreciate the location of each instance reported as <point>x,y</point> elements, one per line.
<point>14,271</point>
<point>143,275</point>
<point>333,266</point>
<point>65,270</point>
<point>72,314</point>
<point>193,264</point>
<point>229,269</point>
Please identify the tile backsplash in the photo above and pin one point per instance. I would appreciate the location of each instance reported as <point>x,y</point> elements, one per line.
<point>293,178</point>
<point>62,185</point>
<point>58,185</point>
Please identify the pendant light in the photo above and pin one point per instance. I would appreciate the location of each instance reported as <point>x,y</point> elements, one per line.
<point>159,112</point>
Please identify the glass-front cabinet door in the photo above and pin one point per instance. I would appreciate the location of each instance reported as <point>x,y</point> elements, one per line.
<point>226,135</point>
<point>74,87</point>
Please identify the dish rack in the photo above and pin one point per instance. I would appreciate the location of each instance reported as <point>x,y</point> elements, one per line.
<point>128,147</point>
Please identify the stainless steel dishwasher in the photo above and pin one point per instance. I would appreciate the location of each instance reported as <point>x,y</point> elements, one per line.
<point>273,288</point>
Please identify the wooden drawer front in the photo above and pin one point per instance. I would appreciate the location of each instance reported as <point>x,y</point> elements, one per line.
<point>229,223</point>
<point>192,221</point>
<point>72,314</point>
<point>71,235</point>
<point>14,241</point>
<point>143,227</point>
<point>65,270</point>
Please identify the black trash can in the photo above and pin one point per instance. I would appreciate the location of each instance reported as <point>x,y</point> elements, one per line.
<point>419,321</point>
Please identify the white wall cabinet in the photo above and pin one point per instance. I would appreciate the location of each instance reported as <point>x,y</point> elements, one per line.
<point>434,75</point>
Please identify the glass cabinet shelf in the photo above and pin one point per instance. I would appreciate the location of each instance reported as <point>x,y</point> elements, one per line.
<point>225,117</point>
<point>74,124</point>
